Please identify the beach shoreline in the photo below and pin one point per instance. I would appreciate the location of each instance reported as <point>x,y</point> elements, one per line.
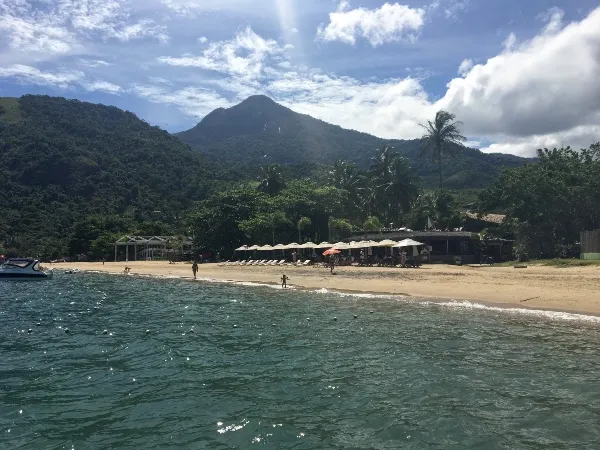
<point>572,290</point>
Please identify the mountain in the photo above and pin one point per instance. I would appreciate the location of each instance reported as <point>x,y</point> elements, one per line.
<point>62,161</point>
<point>259,130</point>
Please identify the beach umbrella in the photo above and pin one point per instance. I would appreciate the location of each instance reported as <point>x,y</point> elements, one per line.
<point>280,247</point>
<point>386,243</point>
<point>323,245</point>
<point>307,245</point>
<point>331,251</point>
<point>253,247</point>
<point>341,246</point>
<point>265,247</point>
<point>242,248</point>
<point>408,243</point>
<point>293,245</point>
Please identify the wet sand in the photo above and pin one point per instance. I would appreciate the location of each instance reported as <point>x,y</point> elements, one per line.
<point>573,289</point>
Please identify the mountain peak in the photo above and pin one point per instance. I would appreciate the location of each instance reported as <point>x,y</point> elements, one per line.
<point>259,99</point>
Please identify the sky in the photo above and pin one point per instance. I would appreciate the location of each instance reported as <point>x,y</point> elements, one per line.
<point>519,75</point>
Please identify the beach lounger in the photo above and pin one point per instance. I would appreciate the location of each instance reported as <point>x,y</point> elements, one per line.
<point>280,263</point>
<point>307,262</point>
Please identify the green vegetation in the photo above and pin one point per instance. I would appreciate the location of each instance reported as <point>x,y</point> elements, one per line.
<point>259,131</point>
<point>549,203</point>
<point>347,201</point>
<point>9,110</point>
<point>442,136</point>
<point>75,174</point>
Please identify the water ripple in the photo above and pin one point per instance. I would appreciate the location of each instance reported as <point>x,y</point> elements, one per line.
<point>255,371</point>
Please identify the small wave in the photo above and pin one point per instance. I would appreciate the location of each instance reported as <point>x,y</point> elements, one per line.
<point>454,304</point>
<point>553,315</point>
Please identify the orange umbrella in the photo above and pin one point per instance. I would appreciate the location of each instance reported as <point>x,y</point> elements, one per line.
<point>331,251</point>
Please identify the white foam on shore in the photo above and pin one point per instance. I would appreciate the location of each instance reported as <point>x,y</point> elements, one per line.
<point>542,313</point>
<point>453,304</point>
<point>470,305</point>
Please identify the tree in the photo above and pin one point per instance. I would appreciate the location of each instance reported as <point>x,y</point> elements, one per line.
<point>372,224</point>
<point>302,224</point>
<point>393,185</point>
<point>441,137</point>
<point>271,180</point>
<point>549,203</point>
<point>339,228</point>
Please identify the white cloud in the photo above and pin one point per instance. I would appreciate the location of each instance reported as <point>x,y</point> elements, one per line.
<point>454,8</point>
<point>243,56</point>
<point>31,75</point>
<point>103,86</point>
<point>194,101</point>
<point>540,92</point>
<point>95,63</point>
<point>465,67</point>
<point>509,42</point>
<point>203,39</point>
<point>58,79</point>
<point>392,22</point>
<point>534,91</point>
<point>60,27</point>
<point>392,108</point>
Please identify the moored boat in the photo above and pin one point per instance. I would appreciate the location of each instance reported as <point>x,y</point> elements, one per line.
<point>23,269</point>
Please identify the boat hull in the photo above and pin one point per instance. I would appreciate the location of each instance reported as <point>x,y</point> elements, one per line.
<point>23,276</point>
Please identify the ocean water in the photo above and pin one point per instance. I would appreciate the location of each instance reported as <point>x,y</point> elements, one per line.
<point>155,364</point>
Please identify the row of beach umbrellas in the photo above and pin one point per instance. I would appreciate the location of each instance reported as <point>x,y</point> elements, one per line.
<point>337,246</point>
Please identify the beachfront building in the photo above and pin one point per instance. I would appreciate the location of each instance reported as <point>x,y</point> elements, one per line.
<point>148,248</point>
<point>448,247</point>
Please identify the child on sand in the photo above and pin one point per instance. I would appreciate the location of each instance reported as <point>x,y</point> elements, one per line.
<point>284,280</point>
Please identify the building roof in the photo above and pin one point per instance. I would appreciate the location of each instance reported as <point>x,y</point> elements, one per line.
<point>151,240</point>
<point>400,235</point>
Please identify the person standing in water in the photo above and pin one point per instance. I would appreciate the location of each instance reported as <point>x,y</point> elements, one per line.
<point>284,280</point>
<point>195,268</point>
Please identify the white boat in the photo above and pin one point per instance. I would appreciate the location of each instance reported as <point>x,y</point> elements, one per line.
<point>23,269</point>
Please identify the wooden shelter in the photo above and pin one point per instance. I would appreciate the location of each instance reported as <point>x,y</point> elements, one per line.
<point>151,247</point>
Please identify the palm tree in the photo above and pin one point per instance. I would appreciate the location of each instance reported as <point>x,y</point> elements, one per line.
<point>276,220</point>
<point>302,224</point>
<point>393,182</point>
<point>348,177</point>
<point>402,188</point>
<point>441,137</point>
<point>271,180</point>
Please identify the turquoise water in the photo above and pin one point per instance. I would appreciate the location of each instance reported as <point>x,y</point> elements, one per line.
<point>273,369</point>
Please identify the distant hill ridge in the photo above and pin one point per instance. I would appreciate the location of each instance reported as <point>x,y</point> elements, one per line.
<point>63,160</point>
<point>259,130</point>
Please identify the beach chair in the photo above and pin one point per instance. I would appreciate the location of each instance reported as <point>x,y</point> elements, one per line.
<point>308,262</point>
<point>280,263</point>
<point>249,262</point>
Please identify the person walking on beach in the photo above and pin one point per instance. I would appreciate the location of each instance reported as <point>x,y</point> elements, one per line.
<point>195,268</point>
<point>284,279</point>
<point>103,261</point>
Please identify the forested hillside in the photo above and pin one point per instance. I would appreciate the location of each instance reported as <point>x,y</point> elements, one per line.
<point>71,167</point>
<point>259,131</point>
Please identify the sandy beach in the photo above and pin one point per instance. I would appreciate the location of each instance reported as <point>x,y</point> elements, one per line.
<point>574,289</point>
